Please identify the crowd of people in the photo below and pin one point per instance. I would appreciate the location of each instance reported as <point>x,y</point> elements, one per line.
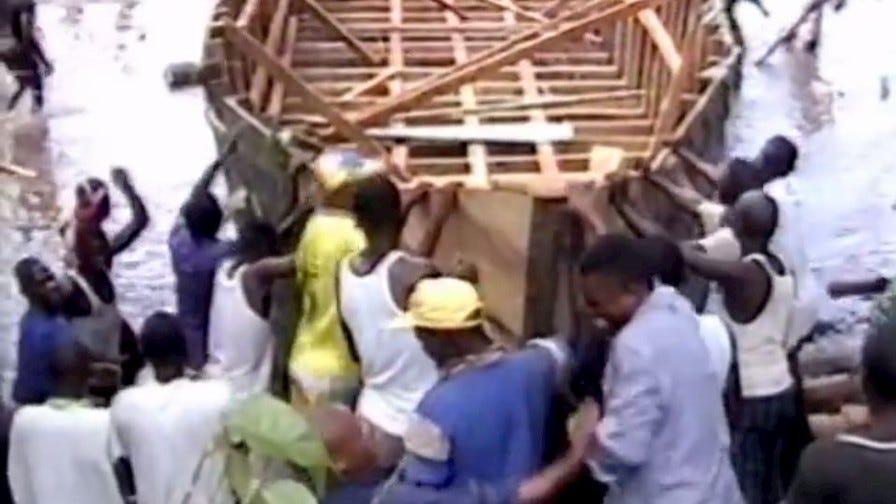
<point>394,362</point>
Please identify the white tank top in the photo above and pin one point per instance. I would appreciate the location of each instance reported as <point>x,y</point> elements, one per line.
<point>396,370</point>
<point>761,355</point>
<point>240,343</point>
<point>100,331</point>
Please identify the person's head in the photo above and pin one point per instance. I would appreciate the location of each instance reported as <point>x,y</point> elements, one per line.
<point>256,241</point>
<point>338,172</point>
<point>754,218</point>
<point>38,284</point>
<point>665,260</point>
<point>739,176</point>
<point>377,207</point>
<point>617,276</point>
<point>446,315</point>
<point>164,346</point>
<point>879,366</point>
<point>70,368</point>
<point>777,158</point>
<point>202,214</point>
<point>92,201</point>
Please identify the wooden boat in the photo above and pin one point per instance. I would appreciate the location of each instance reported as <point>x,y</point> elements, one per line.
<point>466,92</point>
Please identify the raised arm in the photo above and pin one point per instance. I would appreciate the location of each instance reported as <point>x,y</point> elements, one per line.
<point>638,222</point>
<point>442,202</point>
<point>708,170</point>
<point>681,196</point>
<point>139,217</point>
<point>858,287</point>
<point>724,271</point>
<point>205,180</point>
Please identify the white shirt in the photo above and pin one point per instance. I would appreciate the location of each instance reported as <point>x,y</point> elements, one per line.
<point>165,430</point>
<point>718,342</point>
<point>789,245</point>
<point>396,371</point>
<point>62,452</point>
<point>240,343</point>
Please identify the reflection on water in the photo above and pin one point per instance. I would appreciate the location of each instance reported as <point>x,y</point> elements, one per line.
<point>108,105</point>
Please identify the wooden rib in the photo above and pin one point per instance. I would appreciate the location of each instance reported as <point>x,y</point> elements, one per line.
<point>476,153</point>
<point>329,21</point>
<point>369,85</point>
<point>451,7</point>
<point>519,48</point>
<point>661,38</point>
<point>248,13</point>
<point>399,154</point>
<point>547,163</point>
<point>294,83</point>
<point>274,38</point>
<point>278,94</point>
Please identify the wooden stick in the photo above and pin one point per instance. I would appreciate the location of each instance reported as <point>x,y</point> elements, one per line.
<point>275,34</point>
<point>333,24</point>
<point>451,7</point>
<point>278,94</point>
<point>517,48</point>
<point>252,49</point>
<point>248,13</point>
<point>368,86</point>
<point>19,171</point>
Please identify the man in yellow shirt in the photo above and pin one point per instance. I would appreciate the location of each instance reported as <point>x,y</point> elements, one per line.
<point>321,366</point>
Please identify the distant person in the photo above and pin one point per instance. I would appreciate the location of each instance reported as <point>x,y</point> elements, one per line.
<point>321,366</point>
<point>663,436</point>
<point>196,251</point>
<point>166,427</point>
<point>241,342</point>
<point>90,303</point>
<point>27,61</point>
<point>479,433</point>
<point>60,451</point>
<point>374,287</point>
<point>858,467</point>
<point>758,297</point>
<point>41,330</point>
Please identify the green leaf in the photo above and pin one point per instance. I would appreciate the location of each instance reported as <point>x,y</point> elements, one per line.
<point>271,427</point>
<point>287,492</point>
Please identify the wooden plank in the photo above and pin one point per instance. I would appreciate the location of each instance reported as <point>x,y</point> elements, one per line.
<point>247,15</point>
<point>278,94</point>
<point>333,24</point>
<point>275,35</point>
<point>399,154</point>
<point>252,49</point>
<point>369,85</point>
<point>519,48</point>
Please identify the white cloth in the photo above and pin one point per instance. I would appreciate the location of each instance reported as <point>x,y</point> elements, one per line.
<point>62,452</point>
<point>721,244</point>
<point>710,214</point>
<point>166,430</point>
<point>240,343</point>
<point>396,371</point>
<point>716,337</point>
<point>761,353</point>
<point>788,244</point>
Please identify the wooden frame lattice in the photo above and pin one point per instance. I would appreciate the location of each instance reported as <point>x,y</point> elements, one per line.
<point>626,74</point>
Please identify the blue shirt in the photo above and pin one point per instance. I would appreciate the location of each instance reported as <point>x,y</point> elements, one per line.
<point>480,432</point>
<point>663,437</point>
<point>195,263</point>
<point>39,336</point>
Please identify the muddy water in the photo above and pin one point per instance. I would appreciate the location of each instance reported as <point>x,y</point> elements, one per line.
<point>107,105</point>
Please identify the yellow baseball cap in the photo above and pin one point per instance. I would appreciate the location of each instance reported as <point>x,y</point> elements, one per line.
<point>444,303</point>
<point>335,167</point>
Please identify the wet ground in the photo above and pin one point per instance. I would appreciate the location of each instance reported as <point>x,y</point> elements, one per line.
<point>108,105</point>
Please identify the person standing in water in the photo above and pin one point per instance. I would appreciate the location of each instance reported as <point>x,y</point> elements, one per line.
<point>28,62</point>
<point>196,253</point>
<point>758,298</point>
<point>41,330</point>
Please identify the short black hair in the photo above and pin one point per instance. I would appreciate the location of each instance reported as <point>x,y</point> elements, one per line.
<point>740,176</point>
<point>162,339</point>
<point>879,362</point>
<point>665,260</point>
<point>778,156</point>
<point>620,256</point>
<point>257,240</point>
<point>377,204</point>
<point>202,215</point>
<point>24,271</point>
<point>758,220</point>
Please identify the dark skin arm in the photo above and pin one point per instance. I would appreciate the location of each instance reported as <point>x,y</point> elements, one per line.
<point>139,217</point>
<point>208,176</point>
<point>639,223</point>
<point>442,202</point>
<point>706,169</point>
<point>858,287</point>
<point>744,283</point>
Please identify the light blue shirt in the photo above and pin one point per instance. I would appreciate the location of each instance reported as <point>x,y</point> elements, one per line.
<point>663,438</point>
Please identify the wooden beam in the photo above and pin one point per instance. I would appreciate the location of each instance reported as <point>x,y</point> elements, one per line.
<point>278,94</point>
<point>272,43</point>
<point>369,85</point>
<point>255,51</point>
<point>488,62</point>
<point>329,21</point>
<point>250,8</point>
